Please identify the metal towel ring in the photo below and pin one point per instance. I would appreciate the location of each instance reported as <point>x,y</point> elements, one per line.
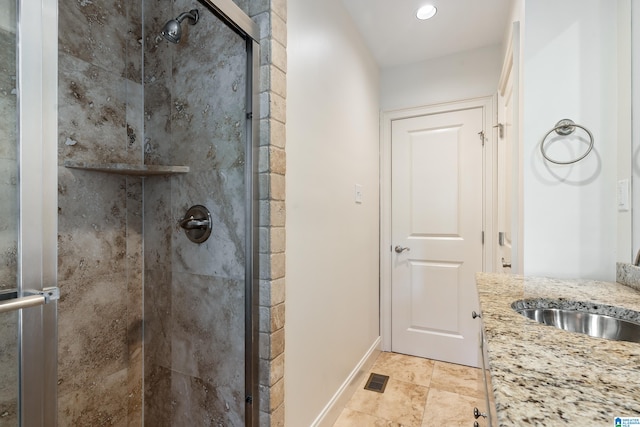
<point>566,127</point>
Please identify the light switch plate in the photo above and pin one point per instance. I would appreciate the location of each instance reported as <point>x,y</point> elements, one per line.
<point>358,193</point>
<point>623,195</point>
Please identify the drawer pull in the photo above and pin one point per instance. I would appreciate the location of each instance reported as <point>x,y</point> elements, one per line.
<point>477,414</point>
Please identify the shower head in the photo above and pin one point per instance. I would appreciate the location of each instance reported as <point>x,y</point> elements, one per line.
<point>172,30</point>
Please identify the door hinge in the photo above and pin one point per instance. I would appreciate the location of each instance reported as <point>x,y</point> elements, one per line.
<point>481,133</point>
<point>483,237</point>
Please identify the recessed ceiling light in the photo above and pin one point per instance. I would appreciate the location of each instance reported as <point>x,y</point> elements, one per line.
<point>426,12</point>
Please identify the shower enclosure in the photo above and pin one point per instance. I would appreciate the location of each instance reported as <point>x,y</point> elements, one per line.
<point>150,328</point>
<point>199,315</point>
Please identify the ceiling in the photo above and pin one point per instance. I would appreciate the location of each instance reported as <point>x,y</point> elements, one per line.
<point>396,37</point>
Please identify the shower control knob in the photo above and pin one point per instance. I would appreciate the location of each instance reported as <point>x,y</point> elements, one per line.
<point>196,223</point>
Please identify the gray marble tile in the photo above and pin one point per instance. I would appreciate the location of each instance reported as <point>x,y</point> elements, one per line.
<point>92,221</point>
<point>9,369</point>
<point>134,41</point>
<point>206,114</point>
<point>100,403</point>
<point>157,51</point>
<point>157,77</point>
<point>157,318</point>
<point>158,402</point>
<point>99,379</point>
<point>92,113</point>
<point>8,163</point>
<point>100,310</point>
<point>200,402</point>
<point>134,302</point>
<point>210,110</point>
<point>8,96</point>
<point>135,122</point>
<point>101,119</point>
<point>158,143</point>
<point>194,98</point>
<point>207,337</point>
<point>135,392</point>
<point>222,192</point>
<point>8,224</point>
<point>159,224</point>
<point>92,331</point>
<point>97,32</point>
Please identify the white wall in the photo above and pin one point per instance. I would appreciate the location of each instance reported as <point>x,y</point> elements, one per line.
<point>570,71</point>
<point>635,42</point>
<point>332,243</point>
<point>470,74</point>
<point>625,232</point>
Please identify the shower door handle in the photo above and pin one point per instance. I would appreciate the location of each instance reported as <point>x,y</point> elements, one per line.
<point>9,300</point>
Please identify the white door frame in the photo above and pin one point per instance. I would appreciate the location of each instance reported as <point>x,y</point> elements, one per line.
<point>387,117</point>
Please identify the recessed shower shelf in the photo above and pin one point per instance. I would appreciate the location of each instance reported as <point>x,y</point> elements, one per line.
<point>128,169</point>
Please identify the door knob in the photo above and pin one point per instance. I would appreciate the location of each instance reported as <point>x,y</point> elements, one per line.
<point>400,249</point>
<point>505,264</point>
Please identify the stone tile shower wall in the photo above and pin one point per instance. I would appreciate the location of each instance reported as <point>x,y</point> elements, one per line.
<point>195,114</point>
<point>110,113</point>
<point>99,215</point>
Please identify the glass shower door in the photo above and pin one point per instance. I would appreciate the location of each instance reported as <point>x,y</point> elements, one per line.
<point>27,213</point>
<point>8,215</point>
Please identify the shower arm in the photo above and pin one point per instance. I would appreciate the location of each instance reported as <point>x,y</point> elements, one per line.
<point>193,16</point>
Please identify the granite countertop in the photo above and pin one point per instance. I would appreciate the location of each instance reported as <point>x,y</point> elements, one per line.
<point>545,376</point>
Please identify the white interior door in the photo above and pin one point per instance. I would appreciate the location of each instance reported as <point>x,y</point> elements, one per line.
<point>436,233</point>
<point>505,180</point>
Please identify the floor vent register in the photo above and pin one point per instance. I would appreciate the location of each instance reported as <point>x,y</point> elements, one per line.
<point>376,382</point>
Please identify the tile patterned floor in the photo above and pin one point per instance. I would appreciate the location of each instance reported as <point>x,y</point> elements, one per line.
<point>419,393</point>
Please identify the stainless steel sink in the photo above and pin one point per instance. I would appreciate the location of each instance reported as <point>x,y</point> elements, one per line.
<point>582,319</point>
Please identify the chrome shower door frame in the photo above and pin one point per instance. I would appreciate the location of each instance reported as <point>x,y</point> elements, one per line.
<point>37,82</point>
<point>249,30</point>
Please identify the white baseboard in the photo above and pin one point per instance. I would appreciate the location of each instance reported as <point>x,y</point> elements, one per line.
<point>333,409</point>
